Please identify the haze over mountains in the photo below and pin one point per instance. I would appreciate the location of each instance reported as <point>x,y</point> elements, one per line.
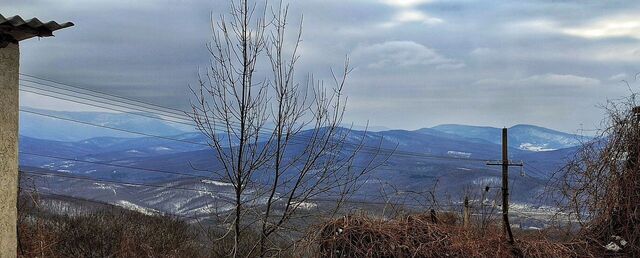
<point>448,156</point>
<point>526,137</point>
<point>50,128</point>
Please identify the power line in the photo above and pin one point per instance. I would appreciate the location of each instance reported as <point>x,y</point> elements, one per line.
<point>40,174</point>
<point>199,143</point>
<point>99,106</point>
<point>112,128</point>
<point>186,120</point>
<point>195,217</point>
<point>382,203</point>
<point>162,137</point>
<point>178,173</point>
<point>35,191</point>
<point>181,113</point>
<point>103,93</point>
<point>541,173</point>
<point>535,171</point>
<point>180,116</point>
<point>116,165</point>
<point>167,114</point>
<point>113,181</point>
<point>529,170</point>
<point>168,138</point>
<point>362,148</point>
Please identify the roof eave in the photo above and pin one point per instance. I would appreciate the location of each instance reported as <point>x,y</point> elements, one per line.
<point>19,29</point>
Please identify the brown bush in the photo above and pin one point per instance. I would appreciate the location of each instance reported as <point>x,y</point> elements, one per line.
<point>600,185</point>
<point>108,232</point>
<point>92,229</point>
<point>419,236</point>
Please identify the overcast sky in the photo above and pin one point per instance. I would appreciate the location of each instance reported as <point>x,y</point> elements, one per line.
<point>418,63</point>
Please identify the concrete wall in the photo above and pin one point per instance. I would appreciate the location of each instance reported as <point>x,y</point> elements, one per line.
<point>9,65</point>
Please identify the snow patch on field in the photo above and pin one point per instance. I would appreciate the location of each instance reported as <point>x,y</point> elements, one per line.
<point>105,187</point>
<point>212,209</point>
<point>459,154</point>
<point>305,205</point>
<point>533,209</point>
<point>134,207</point>
<point>484,181</point>
<point>67,164</point>
<point>533,147</point>
<point>216,183</point>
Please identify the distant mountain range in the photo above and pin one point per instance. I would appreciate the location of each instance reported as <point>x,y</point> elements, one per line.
<point>50,128</point>
<point>524,137</point>
<point>451,157</point>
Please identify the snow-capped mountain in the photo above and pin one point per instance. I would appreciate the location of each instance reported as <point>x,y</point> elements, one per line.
<point>523,137</point>
<point>412,159</point>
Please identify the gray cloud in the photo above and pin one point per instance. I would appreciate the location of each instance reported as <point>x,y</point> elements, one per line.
<point>418,62</point>
<point>547,81</point>
<point>398,55</point>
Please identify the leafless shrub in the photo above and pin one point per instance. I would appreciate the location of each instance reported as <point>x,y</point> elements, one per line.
<point>418,236</point>
<point>483,206</point>
<point>600,186</point>
<point>105,232</point>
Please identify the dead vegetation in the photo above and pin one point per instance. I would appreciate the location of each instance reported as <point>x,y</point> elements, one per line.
<point>59,226</point>
<point>600,186</point>
<point>100,231</point>
<point>419,236</point>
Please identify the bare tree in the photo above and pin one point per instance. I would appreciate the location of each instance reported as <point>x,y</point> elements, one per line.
<point>229,101</point>
<point>279,142</point>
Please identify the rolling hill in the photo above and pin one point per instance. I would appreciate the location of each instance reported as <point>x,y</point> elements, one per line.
<point>524,137</point>
<point>448,159</point>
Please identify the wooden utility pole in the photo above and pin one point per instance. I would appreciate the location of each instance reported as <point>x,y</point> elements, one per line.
<point>505,183</point>
<point>12,31</point>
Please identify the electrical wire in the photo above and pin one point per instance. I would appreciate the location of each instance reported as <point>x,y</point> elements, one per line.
<point>41,174</point>
<point>116,165</point>
<point>376,149</point>
<point>112,128</point>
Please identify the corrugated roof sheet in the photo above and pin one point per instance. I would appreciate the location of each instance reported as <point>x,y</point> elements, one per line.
<point>21,29</point>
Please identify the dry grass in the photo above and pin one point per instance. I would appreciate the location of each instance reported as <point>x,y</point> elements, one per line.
<point>419,236</point>
<point>600,185</point>
<point>102,231</point>
<point>67,227</point>
<point>106,234</point>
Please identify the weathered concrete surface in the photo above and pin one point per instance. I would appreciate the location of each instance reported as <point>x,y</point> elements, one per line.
<point>9,65</point>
